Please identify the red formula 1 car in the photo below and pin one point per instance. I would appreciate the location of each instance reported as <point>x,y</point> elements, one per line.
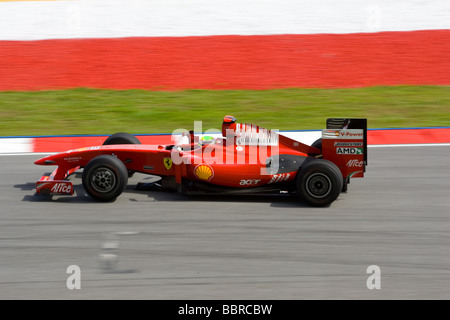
<point>244,159</point>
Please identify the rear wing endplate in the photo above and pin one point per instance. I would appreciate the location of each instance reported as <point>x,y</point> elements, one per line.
<point>350,123</point>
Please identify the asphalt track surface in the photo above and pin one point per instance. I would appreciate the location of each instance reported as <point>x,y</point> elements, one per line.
<point>175,247</point>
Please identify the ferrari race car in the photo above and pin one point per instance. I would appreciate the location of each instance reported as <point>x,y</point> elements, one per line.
<point>244,159</point>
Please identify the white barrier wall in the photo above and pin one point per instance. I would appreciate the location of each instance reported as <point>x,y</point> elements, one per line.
<point>16,145</point>
<point>31,20</point>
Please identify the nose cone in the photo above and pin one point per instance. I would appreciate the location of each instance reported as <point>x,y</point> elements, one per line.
<point>40,162</point>
<point>45,161</point>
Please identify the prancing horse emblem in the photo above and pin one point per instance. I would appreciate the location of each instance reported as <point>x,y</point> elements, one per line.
<point>168,163</point>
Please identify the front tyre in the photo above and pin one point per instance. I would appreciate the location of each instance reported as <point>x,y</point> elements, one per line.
<point>319,182</point>
<point>121,138</point>
<point>105,178</point>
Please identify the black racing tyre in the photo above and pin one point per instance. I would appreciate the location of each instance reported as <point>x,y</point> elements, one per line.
<point>319,182</point>
<point>345,185</point>
<point>317,144</point>
<point>121,138</point>
<point>105,178</point>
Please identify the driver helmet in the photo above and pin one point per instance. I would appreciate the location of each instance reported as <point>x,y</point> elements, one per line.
<point>229,123</point>
<point>204,140</point>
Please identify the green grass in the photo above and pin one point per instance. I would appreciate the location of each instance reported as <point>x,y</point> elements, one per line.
<point>91,111</point>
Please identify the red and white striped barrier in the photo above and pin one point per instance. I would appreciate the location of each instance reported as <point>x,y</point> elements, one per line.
<point>212,44</point>
<point>375,137</point>
<point>234,44</point>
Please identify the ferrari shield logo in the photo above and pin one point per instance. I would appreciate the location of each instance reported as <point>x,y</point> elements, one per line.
<point>168,163</point>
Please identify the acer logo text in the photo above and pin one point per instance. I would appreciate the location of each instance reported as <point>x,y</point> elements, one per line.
<point>61,188</point>
<point>355,163</point>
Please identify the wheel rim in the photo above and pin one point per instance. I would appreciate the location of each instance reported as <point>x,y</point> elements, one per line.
<point>318,185</point>
<point>103,180</point>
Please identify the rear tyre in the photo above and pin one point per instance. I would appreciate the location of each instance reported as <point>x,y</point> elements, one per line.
<point>317,144</point>
<point>121,138</point>
<point>345,185</point>
<point>319,182</point>
<point>105,178</point>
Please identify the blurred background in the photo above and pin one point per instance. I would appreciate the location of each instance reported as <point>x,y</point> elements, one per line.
<point>65,66</point>
<point>96,67</point>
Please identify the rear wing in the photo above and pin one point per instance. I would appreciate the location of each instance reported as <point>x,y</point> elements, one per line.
<point>344,143</point>
<point>341,123</point>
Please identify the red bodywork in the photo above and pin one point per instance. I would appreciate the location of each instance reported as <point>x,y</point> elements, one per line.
<point>219,164</point>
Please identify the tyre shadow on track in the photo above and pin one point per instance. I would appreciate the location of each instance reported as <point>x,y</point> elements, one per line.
<point>274,200</point>
<point>80,196</point>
